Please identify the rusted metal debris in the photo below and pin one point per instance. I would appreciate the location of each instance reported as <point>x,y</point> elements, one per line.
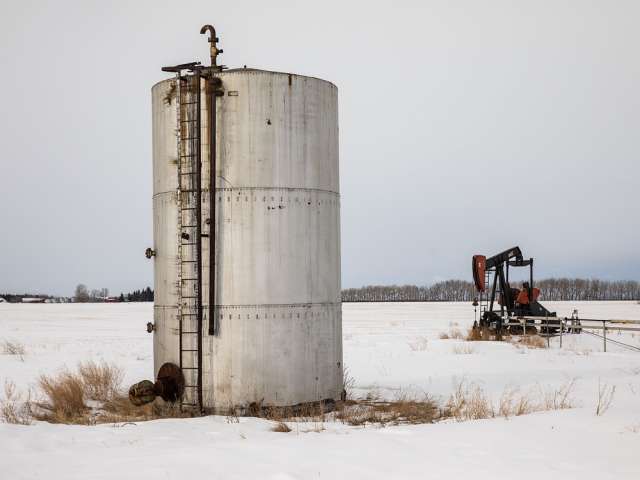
<point>169,386</point>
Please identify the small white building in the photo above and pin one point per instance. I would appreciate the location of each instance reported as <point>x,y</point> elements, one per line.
<point>32,300</point>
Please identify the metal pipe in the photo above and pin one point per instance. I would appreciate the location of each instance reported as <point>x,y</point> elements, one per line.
<point>213,40</point>
<point>198,145</point>
<point>610,329</point>
<point>212,203</point>
<point>517,322</point>
<point>531,317</point>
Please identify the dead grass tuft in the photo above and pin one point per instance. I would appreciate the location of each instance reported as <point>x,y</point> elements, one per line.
<point>348,384</point>
<point>404,410</point>
<point>530,341</point>
<point>94,395</point>
<point>64,400</point>
<point>469,402</point>
<point>13,348</point>
<point>102,381</point>
<point>605,397</point>
<point>13,408</point>
<point>484,334</point>
<point>281,427</point>
<point>480,334</point>
<point>558,398</point>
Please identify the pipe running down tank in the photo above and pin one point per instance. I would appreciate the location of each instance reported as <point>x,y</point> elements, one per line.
<point>246,252</point>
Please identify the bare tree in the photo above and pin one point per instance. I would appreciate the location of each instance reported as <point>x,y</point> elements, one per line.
<point>82,293</point>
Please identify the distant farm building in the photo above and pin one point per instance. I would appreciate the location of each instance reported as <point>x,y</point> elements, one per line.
<point>32,300</point>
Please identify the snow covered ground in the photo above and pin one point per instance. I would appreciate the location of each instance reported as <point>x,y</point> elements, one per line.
<point>389,349</point>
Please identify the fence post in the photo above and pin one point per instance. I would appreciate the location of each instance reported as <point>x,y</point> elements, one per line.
<point>561,328</point>
<point>604,334</point>
<point>546,321</point>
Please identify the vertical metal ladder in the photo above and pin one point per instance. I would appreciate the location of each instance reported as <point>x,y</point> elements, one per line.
<point>484,296</point>
<point>190,241</point>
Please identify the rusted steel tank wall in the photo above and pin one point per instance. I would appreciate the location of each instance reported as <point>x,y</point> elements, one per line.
<point>278,240</point>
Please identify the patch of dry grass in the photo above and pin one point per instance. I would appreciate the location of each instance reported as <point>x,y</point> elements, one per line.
<point>480,334</point>
<point>404,410</point>
<point>94,395</point>
<point>14,408</point>
<point>530,341</point>
<point>101,381</point>
<point>281,427</point>
<point>13,348</point>
<point>558,398</point>
<point>64,399</point>
<point>605,397</point>
<point>469,402</point>
<point>348,383</point>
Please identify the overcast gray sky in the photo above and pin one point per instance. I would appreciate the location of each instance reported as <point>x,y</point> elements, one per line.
<point>465,127</point>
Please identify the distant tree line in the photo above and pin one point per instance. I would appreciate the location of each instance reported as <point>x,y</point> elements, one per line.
<point>464,291</point>
<point>145,295</point>
<point>18,297</point>
<point>83,295</point>
<point>448,291</point>
<point>588,289</point>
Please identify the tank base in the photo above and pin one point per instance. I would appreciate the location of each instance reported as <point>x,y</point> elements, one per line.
<point>256,409</point>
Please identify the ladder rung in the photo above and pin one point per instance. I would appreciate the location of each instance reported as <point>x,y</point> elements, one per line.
<point>190,138</point>
<point>189,261</point>
<point>189,368</point>
<point>189,333</point>
<point>183,350</point>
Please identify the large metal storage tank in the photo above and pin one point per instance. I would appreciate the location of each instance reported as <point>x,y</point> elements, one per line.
<point>278,334</point>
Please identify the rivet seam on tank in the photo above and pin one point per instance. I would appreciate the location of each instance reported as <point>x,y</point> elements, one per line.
<point>274,316</point>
